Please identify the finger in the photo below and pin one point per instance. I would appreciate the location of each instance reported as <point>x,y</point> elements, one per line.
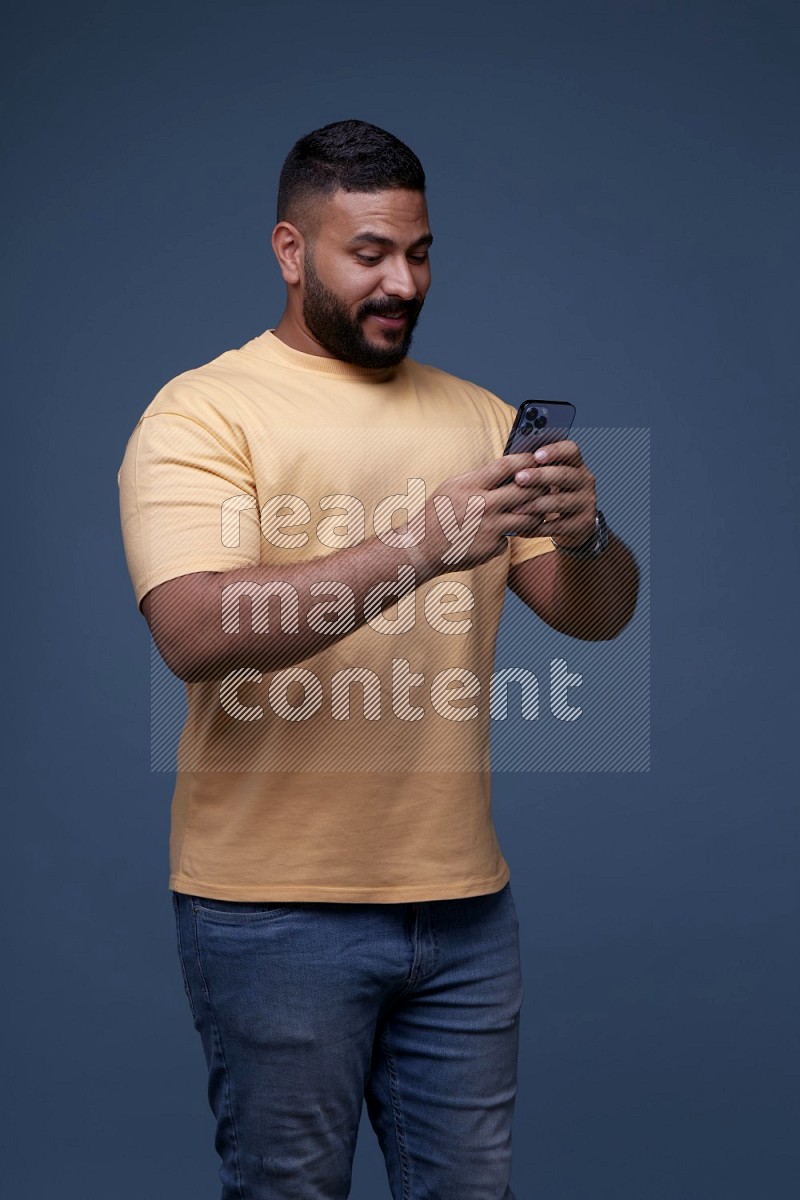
<point>495,473</point>
<point>529,506</point>
<point>512,496</point>
<point>569,504</point>
<point>521,525</point>
<point>560,477</point>
<point>560,452</point>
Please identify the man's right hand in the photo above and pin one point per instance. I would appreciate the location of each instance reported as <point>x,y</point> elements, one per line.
<point>467,519</point>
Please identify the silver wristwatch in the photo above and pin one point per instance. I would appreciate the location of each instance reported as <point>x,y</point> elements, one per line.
<point>594,546</point>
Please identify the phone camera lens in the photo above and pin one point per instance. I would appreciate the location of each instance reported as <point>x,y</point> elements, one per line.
<point>526,427</point>
<point>540,422</point>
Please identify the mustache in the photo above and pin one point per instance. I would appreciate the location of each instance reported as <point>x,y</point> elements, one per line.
<point>389,308</point>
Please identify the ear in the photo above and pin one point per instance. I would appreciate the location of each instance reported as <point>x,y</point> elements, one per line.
<point>288,244</point>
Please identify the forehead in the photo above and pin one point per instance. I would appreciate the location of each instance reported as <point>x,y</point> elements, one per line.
<point>396,213</point>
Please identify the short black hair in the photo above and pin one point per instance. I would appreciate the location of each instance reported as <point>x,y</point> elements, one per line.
<point>350,155</point>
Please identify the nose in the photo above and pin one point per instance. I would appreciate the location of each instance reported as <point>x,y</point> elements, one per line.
<point>399,279</point>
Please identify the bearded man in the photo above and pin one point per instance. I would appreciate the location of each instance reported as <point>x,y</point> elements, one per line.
<point>346,927</point>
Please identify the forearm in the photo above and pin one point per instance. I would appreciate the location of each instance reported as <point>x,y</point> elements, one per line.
<point>267,617</point>
<point>592,599</point>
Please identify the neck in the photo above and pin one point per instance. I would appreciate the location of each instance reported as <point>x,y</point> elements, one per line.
<point>292,332</point>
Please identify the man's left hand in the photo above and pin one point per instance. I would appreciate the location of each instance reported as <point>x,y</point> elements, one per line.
<point>569,520</point>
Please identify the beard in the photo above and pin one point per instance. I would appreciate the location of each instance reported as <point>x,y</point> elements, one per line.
<point>329,320</point>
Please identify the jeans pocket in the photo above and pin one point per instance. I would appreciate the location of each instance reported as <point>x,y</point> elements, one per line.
<point>231,912</point>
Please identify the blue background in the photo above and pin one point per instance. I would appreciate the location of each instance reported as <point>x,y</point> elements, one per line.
<point>614,194</point>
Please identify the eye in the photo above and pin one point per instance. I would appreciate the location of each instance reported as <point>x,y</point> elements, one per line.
<point>369,259</point>
<point>418,258</point>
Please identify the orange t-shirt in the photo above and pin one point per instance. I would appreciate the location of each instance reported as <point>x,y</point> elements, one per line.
<point>362,773</point>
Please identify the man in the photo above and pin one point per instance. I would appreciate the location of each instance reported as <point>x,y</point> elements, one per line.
<point>320,532</point>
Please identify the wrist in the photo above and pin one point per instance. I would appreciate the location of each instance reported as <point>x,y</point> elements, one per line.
<point>423,549</point>
<point>593,546</point>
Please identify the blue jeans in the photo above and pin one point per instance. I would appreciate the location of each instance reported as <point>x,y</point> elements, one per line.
<point>307,1009</point>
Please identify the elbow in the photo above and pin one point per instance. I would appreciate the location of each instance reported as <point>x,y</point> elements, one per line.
<point>182,658</point>
<point>189,670</point>
<point>196,659</point>
<point>183,654</point>
<point>606,620</point>
<point>618,617</point>
<point>602,629</point>
<point>613,628</point>
<point>178,614</point>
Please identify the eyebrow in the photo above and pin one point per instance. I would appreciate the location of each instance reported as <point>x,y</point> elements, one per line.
<point>375,239</point>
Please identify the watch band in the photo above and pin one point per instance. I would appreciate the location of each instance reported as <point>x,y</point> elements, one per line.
<point>594,546</point>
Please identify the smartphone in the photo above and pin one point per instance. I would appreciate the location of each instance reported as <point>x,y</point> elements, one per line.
<point>536,424</point>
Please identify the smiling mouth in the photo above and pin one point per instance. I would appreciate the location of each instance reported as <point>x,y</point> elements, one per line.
<point>391,320</point>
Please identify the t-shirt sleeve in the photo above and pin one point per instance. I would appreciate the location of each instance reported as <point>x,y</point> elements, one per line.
<point>187,502</point>
<point>523,548</point>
